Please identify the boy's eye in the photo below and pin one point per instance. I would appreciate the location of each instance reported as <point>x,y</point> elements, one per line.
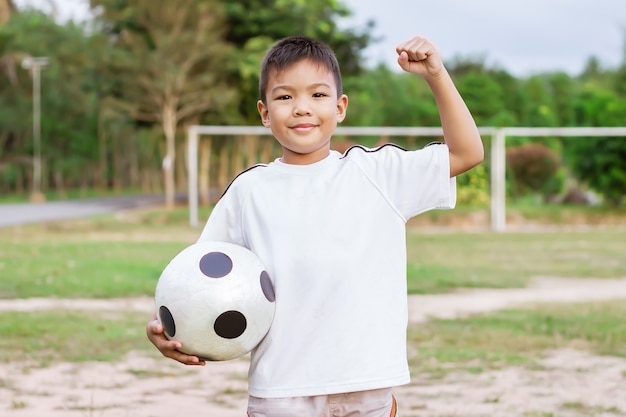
<point>317,95</point>
<point>283,97</point>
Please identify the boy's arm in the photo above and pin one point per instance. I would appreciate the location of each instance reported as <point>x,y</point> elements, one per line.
<point>419,56</point>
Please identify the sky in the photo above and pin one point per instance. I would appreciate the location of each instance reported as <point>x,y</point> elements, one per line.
<point>521,36</point>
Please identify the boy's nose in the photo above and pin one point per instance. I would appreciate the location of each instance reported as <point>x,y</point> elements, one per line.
<point>301,108</point>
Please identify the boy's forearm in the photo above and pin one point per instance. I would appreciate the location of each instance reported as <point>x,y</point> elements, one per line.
<point>459,129</point>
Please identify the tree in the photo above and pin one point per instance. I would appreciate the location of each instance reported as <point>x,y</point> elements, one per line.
<point>563,91</point>
<point>620,74</point>
<point>7,8</point>
<point>169,58</point>
<point>253,25</point>
<point>67,101</point>
<point>9,63</point>
<point>483,96</point>
<point>600,162</point>
<point>381,97</point>
<point>541,110</point>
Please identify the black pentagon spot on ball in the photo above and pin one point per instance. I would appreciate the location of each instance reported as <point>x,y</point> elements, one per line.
<point>230,324</point>
<point>167,320</point>
<point>267,287</point>
<point>216,265</point>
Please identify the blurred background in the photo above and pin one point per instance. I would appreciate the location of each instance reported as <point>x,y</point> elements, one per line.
<point>96,96</point>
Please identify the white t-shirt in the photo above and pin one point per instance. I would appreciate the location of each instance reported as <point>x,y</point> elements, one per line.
<point>332,237</point>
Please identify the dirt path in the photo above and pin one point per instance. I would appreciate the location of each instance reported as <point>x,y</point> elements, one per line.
<point>567,384</point>
<point>421,307</point>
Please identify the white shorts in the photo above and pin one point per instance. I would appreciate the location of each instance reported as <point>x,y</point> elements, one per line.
<point>373,403</point>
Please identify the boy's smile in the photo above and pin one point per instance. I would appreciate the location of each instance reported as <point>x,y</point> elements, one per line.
<point>303,110</point>
<point>306,127</point>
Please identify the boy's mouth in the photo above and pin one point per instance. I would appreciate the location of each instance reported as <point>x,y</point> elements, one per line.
<point>303,127</point>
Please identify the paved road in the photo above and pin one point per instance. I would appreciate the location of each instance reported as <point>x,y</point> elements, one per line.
<point>24,213</point>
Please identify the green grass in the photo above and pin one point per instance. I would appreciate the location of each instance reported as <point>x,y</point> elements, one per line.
<point>538,214</point>
<point>81,269</point>
<point>105,256</point>
<point>71,194</point>
<point>123,255</point>
<point>443,261</point>
<point>482,342</point>
<point>591,411</point>
<point>567,214</point>
<point>75,336</point>
<point>517,336</point>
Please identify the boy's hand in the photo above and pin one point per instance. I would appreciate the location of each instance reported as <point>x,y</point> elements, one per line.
<point>419,56</point>
<point>169,348</point>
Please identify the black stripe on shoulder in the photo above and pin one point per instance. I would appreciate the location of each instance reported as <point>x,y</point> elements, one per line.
<point>241,173</point>
<point>345,154</point>
<point>383,146</point>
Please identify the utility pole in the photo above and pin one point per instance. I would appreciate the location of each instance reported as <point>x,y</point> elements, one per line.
<point>35,64</point>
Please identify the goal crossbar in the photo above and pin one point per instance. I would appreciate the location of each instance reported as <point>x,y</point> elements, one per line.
<point>498,152</point>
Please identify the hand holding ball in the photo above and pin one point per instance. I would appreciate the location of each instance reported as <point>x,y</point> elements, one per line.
<point>216,299</point>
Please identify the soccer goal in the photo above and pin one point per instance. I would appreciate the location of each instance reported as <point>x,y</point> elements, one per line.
<point>497,161</point>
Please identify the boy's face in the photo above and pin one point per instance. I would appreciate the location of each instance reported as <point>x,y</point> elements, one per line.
<point>303,110</point>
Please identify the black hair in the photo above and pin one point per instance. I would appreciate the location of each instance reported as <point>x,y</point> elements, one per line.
<point>293,49</point>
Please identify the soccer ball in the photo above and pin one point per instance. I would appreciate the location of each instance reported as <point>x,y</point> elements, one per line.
<point>216,299</point>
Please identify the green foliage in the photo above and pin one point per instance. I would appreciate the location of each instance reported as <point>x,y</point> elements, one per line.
<point>473,187</point>
<point>563,90</point>
<point>601,163</point>
<point>275,19</point>
<point>599,107</point>
<point>540,108</point>
<point>169,65</point>
<point>383,98</point>
<point>483,96</point>
<point>68,108</point>
<point>532,169</point>
<point>108,85</point>
<point>166,57</point>
<point>494,97</point>
<point>254,25</point>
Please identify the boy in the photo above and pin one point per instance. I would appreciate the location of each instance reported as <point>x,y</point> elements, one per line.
<point>330,230</point>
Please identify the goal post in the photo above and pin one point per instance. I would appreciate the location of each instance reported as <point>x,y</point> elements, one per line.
<point>195,132</point>
<point>497,161</point>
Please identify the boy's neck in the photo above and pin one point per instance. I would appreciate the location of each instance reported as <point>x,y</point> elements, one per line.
<point>292,158</point>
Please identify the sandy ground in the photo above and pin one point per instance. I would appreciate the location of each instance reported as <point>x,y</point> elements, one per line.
<point>567,383</point>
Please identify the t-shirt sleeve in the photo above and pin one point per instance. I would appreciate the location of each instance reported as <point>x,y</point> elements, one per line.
<point>224,223</point>
<point>414,181</point>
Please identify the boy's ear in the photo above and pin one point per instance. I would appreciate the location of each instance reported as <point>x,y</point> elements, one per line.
<point>264,113</point>
<point>342,107</point>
